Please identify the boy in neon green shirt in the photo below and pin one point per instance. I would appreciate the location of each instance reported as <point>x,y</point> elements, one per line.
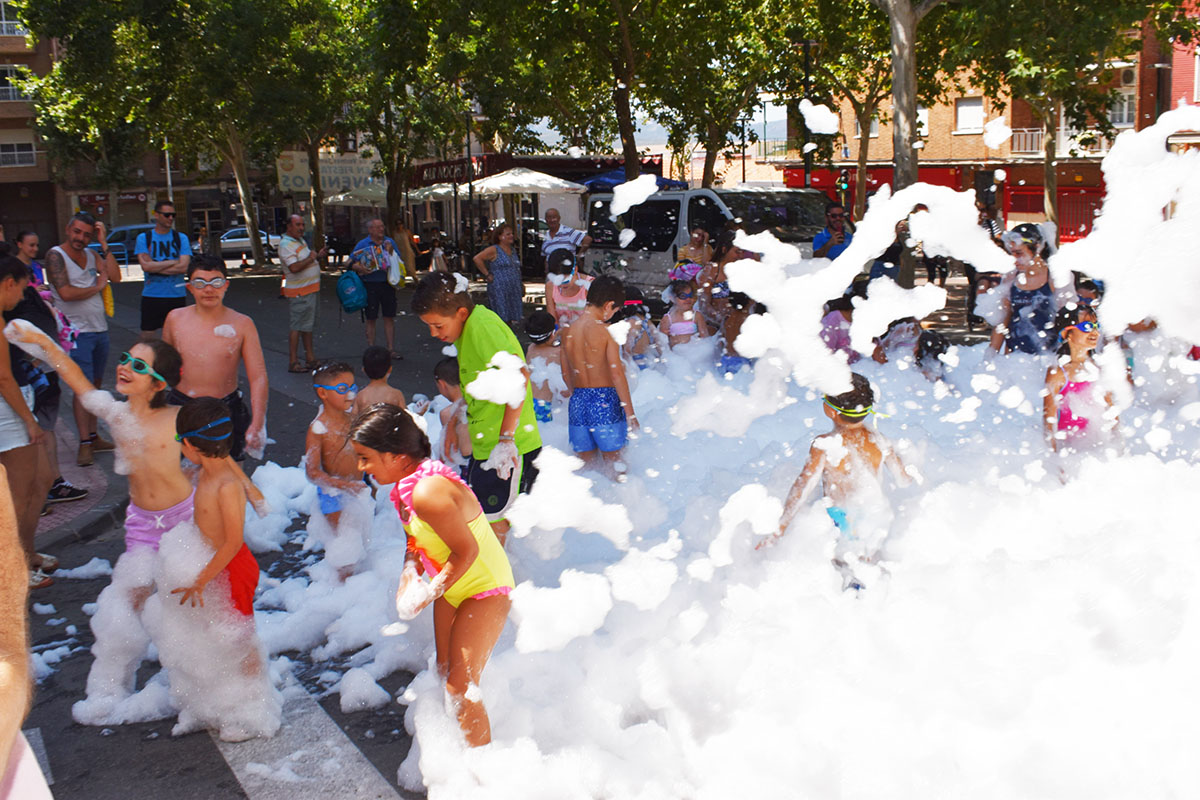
<point>504,437</point>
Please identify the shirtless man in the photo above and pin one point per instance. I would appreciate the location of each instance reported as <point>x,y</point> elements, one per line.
<point>78,278</point>
<point>213,339</point>
<point>600,412</point>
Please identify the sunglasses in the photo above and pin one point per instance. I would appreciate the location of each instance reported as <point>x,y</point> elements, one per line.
<point>200,283</point>
<point>835,216</point>
<point>1087,326</point>
<point>166,213</point>
<point>341,388</point>
<point>140,367</point>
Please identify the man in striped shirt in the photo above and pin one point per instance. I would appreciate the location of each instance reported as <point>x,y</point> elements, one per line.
<point>560,237</point>
<point>302,287</point>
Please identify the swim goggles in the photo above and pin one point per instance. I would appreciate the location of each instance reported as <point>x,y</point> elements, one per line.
<point>139,366</point>
<point>1087,326</point>
<point>341,388</point>
<point>199,433</point>
<point>200,283</point>
<point>858,413</point>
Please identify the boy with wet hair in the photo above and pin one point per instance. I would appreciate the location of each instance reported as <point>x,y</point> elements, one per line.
<point>504,438</point>
<point>847,464</point>
<point>600,411</point>
<point>229,688</point>
<point>377,366</point>
<point>329,460</point>
<point>455,447</point>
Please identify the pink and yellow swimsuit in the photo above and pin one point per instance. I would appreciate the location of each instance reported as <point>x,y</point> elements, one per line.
<point>490,572</point>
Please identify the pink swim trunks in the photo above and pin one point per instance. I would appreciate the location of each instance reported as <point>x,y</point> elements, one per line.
<point>145,528</point>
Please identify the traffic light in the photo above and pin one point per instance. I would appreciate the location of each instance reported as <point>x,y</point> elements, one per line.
<point>843,181</point>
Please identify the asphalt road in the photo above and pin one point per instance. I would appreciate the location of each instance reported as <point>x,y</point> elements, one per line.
<point>143,760</point>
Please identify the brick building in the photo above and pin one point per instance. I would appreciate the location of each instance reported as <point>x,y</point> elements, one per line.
<point>953,151</point>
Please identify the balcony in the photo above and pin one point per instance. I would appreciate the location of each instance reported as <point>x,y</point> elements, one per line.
<point>779,150</point>
<point>1088,143</point>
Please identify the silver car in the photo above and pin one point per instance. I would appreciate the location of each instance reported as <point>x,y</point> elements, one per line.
<point>236,241</point>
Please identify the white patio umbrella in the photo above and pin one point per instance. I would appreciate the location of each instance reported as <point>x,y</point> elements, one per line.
<point>370,194</point>
<point>436,192</point>
<point>520,180</point>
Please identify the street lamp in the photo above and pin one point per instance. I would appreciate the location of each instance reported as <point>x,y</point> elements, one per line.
<point>744,119</point>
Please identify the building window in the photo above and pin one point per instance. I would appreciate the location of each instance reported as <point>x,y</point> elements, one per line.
<point>17,154</point>
<point>1123,111</point>
<point>10,25</point>
<point>1196,80</point>
<point>922,121</point>
<point>8,88</point>
<point>968,115</point>
<point>874,128</point>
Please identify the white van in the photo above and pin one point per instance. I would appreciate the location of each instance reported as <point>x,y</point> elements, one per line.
<point>663,225</point>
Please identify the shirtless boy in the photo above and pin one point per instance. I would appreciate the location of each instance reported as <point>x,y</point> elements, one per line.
<point>600,411</point>
<point>329,459</point>
<point>544,357</point>
<point>847,464</point>
<point>455,447</point>
<point>213,339</point>
<point>377,366</point>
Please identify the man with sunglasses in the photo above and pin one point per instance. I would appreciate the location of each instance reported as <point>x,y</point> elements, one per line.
<point>834,238</point>
<point>164,256</point>
<point>214,340</point>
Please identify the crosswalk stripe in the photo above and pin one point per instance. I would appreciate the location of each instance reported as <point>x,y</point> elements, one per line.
<point>38,746</point>
<point>310,757</point>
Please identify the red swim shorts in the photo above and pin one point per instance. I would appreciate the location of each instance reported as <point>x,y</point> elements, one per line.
<point>243,580</point>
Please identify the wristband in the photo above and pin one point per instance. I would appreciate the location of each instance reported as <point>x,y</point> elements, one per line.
<point>506,437</point>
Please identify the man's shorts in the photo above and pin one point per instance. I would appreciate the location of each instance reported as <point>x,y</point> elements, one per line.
<point>91,354</point>
<point>596,421</point>
<point>381,296</point>
<point>494,493</point>
<point>302,312</point>
<point>239,415</point>
<point>155,310</point>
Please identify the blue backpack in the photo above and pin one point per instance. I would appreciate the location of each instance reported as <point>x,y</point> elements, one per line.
<point>351,292</point>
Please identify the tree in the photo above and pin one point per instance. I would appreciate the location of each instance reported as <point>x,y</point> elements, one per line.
<point>1060,70</point>
<point>903,17</point>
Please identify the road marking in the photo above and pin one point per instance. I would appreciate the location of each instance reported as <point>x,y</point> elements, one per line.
<point>38,746</point>
<point>310,757</point>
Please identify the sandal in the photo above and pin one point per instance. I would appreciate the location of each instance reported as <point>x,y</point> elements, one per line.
<point>313,364</point>
<point>397,356</point>
<point>39,579</point>
<point>296,366</point>
<point>49,562</point>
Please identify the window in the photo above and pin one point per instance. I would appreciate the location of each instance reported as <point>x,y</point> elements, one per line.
<point>922,121</point>
<point>8,89</point>
<point>968,115</point>
<point>874,128</point>
<point>654,222</point>
<point>703,212</point>
<point>1196,81</point>
<point>17,154</point>
<point>1123,111</point>
<point>10,25</point>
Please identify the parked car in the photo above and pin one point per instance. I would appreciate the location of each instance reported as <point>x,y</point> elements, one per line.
<point>122,240</point>
<point>236,241</point>
<point>663,223</point>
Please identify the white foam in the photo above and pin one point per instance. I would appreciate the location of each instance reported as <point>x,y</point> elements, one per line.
<point>632,193</point>
<point>819,119</point>
<point>225,331</point>
<point>502,382</point>
<point>96,568</point>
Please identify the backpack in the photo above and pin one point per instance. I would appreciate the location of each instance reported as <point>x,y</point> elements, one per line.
<point>351,292</point>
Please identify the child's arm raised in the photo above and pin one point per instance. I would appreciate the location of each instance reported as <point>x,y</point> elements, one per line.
<point>227,541</point>
<point>701,325</point>
<point>32,340</point>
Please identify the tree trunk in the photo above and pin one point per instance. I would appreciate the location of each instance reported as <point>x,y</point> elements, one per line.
<point>864,148</point>
<point>712,149</point>
<point>237,158</point>
<point>397,181</point>
<point>903,20</point>
<point>1049,168</point>
<point>114,197</point>
<point>316,194</point>
<point>633,163</point>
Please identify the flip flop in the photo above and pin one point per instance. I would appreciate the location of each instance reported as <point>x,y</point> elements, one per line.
<point>397,356</point>
<point>296,366</point>
<point>49,562</point>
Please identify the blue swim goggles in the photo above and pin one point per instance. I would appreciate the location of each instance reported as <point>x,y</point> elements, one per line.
<point>199,432</point>
<point>1087,326</point>
<point>341,388</point>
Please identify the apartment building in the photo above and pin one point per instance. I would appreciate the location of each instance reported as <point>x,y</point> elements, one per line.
<point>954,147</point>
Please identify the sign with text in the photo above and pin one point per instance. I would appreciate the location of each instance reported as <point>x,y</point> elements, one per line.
<point>339,172</point>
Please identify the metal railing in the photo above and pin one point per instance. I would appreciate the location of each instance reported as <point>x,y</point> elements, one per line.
<point>1070,143</point>
<point>11,93</point>
<point>18,158</point>
<point>779,150</point>
<point>12,29</point>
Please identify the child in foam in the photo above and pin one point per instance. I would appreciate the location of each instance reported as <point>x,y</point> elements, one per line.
<point>847,464</point>
<point>450,541</point>
<point>600,413</point>
<point>566,287</point>
<point>330,463</point>
<point>161,497</point>
<point>504,438</point>
<point>455,446</point>
<point>681,322</point>
<point>545,364</point>
<point>642,343</point>
<point>377,366</point>
<point>740,309</point>
<point>1079,412</point>
<point>216,665</point>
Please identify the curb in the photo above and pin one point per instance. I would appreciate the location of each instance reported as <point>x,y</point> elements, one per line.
<point>109,513</point>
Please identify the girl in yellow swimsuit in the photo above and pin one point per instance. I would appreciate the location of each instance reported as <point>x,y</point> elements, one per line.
<point>449,540</point>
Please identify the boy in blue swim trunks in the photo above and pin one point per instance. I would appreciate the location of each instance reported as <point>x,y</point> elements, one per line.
<point>847,465</point>
<point>329,460</point>
<point>600,412</point>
